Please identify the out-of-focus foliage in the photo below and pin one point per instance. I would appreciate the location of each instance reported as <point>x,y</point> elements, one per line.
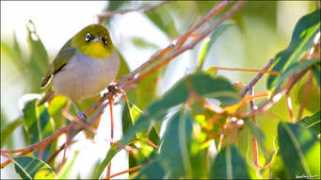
<point>33,168</point>
<point>302,40</point>
<point>196,129</point>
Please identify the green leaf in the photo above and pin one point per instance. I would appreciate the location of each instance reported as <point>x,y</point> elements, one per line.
<point>145,93</point>
<point>294,68</point>
<point>106,161</point>
<point>142,43</point>
<point>123,68</point>
<point>317,73</point>
<point>302,40</point>
<point>66,170</point>
<point>36,121</point>
<point>114,5</point>
<point>16,47</point>
<point>175,146</point>
<point>127,120</point>
<point>55,108</point>
<point>8,130</point>
<point>39,57</point>
<point>312,122</point>
<point>229,164</point>
<point>208,42</point>
<point>153,170</point>
<point>299,149</point>
<point>200,83</point>
<point>33,168</point>
<point>260,138</point>
<point>163,20</point>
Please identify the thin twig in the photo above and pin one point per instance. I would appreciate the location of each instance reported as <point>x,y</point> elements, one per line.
<point>277,95</point>
<point>107,14</point>
<point>254,70</point>
<point>289,107</point>
<point>130,170</point>
<point>258,77</point>
<point>110,98</point>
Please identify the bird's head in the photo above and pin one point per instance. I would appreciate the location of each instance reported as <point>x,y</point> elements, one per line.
<point>93,41</point>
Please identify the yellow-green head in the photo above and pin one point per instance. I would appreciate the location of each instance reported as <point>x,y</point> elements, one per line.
<point>93,41</point>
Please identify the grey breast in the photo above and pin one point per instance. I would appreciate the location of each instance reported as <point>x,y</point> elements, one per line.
<point>83,77</point>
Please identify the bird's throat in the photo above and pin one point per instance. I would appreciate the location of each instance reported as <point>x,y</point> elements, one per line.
<point>97,51</point>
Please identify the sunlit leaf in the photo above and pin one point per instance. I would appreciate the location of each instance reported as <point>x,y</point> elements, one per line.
<point>299,149</point>
<point>260,138</point>
<point>153,170</point>
<point>106,161</point>
<point>294,68</point>
<point>39,57</point>
<point>8,50</point>
<point>127,119</point>
<point>163,20</point>
<point>302,40</point>
<point>66,170</point>
<point>142,43</point>
<point>8,130</point>
<point>229,164</point>
<point>175,146</point>
<point>317,73</point>
<point>200,83</point>
<point>313,122</point>
<point>145,93</point>
<point>123,67</point>
<point>33,168</point>
<point>37,123</point>
<point>208,43</point>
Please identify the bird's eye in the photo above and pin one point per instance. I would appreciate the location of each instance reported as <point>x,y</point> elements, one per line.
<point>89,37</point>
<point>104,40</point>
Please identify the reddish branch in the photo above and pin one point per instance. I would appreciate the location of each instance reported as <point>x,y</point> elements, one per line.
<point>258,76</point>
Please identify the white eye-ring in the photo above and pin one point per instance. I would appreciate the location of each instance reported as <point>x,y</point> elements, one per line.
<point>105,41</point>
<point>89,37</point>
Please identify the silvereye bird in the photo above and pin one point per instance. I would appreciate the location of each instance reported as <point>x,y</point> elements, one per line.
<point>84,66</point>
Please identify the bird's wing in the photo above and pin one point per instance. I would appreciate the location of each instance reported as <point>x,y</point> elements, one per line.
<point>65,54</point>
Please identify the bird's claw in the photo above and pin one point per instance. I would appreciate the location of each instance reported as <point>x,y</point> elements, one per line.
<point>82,116</point>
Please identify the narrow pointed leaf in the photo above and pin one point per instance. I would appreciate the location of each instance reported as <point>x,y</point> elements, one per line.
<point>313,122</point>
<point>8,130</point>
<point>317,73</point>
<point>199,83</point>
<point>295,68</point>
<point>229,164</point>
<point>33,168</point>
<point>299,149</point>
<point>175,146</point>
<point>302,40</point>
<point>153,170</point>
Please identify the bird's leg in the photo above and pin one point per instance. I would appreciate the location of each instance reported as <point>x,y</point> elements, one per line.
<point>81,115</point>
<point>113,89</point>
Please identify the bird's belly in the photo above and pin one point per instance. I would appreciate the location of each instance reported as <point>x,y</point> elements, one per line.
<point>82,77</point>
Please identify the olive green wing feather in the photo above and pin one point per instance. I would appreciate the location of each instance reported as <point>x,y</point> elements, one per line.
<point>63,57</point>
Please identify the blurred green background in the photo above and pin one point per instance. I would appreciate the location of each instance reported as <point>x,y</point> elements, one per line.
<point>258,32</point>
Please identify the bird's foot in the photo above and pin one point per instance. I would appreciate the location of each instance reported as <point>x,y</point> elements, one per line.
<point>82,116</point>
<point>113,89</point>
